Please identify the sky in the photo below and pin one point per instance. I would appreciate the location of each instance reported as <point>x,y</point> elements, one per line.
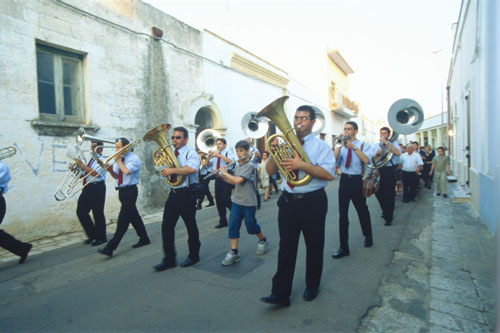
<point>396,48</point>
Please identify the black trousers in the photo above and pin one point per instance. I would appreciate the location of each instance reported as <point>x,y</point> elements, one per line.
<point>305,215</point>
<point>180,204</point>
<point>128,214</point>
<point>205,191</point>
<point>92,199</point>
<point>222,199</point>
<point>410,182</point>
<point>385,193</point>
<point>351,189</point>
<point>7,241</point>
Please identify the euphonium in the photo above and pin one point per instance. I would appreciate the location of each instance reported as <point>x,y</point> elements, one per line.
<point>276,113</point>
<point>163,156</point>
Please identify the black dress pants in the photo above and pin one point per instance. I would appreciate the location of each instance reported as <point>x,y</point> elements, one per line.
<point>181,204</point>
<point>128,214</point>
<point>351,189</point>
<point>305,215</point>
<point>92,198</point>
<point>205,191</point>
<point>7,241</point>
<point>410,182</point>
<point>385,193</point>
<point>222,199</point>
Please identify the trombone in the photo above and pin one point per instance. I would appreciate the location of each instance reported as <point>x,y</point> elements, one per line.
<point>7,152</point>
<point>108,162</point>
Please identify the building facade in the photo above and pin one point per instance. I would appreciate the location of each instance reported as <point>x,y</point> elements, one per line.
<point>117,69</point>
<point>473,107</point>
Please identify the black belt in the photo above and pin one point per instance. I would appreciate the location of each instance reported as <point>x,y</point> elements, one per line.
<point>349,175</point>
<point>298,196</point>
<point>96,183</point>
<point>180,190</point>
<point>125,187</point>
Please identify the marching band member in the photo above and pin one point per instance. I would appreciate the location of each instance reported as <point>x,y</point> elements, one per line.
<point>204,185</point>
<point>244,203</point>
<point>302,209</point>
<point>223,190</point>
<point>350,157</point>
<point>385,193</point>
<point>126,171</point>
<point>181,202</point>
<point>92,198</point>
<point>8,241</point>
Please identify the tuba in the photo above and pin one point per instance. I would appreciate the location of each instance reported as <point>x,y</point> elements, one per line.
<point>254,127</point>
<point>405,117</point>
<point>276,113</point>
<point>163,156</point>
<point>7,152</point>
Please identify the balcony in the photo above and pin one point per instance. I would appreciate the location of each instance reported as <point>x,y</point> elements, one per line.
<point>343,106</point>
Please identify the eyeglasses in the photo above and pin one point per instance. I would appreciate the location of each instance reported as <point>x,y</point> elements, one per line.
<point>178,137</point>
<point>301,118</point>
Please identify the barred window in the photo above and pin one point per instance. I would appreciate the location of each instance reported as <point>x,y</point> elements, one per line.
<point>60,85</point>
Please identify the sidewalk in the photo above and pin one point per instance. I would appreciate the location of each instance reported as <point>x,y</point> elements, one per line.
<point>442,277</point>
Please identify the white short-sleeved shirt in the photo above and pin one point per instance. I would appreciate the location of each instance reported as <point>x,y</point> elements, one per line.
<point>355,167</point>
<point>410,163</point>
<point>319,153</point>
<point>133,164</point>
<point>188,157</point>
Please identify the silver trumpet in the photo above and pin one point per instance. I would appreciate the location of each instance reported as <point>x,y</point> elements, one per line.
<point>340,140</point>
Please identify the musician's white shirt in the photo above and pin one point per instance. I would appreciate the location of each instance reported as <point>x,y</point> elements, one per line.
<point>224,152</point>
<point>4,177</point>
<point>133,164</point>
<point>188,157</point>
<point>319,153</point>
<point>94,165</point>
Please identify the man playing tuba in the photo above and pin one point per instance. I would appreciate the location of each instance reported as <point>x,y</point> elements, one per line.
<point>302,209</point>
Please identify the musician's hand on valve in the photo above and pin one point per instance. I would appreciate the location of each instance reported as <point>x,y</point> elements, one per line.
<point>348,144</point>
<point>292,164</point>
<point>165,172</point>
<point>383,139</point>
<point>79,163</point>
<point>118,158</point>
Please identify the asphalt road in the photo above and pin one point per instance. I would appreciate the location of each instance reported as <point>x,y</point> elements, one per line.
<point>74,288</point>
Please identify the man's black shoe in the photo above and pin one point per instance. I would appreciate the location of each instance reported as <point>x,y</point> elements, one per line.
<point>88,241</point>
<point>220,225</point>
<point>106,251</point>
<point>388,222</point>
<point>340,253</point>
<point>211,204</point>
<point>310,294</point>
<point>198,207</point>
<point>164,265</point>
<point>369,241</point>
<point>189,262</point>
<point>99,242</point>
<point>141,243</point>
<point>445,195</point>
<point>275,300</point>
<point>25,254</point>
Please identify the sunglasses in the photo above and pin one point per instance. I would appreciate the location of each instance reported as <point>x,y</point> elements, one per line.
<point>178,137</point>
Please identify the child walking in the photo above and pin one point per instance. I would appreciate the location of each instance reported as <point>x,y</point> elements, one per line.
<point>244,203</point>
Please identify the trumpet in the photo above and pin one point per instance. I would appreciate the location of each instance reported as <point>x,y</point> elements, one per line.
<point>276,113</point>
<point>340,140</point>
<point>81,136</point>
<point>7,152</point>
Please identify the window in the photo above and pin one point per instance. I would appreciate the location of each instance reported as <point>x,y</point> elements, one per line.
<point>60,85</point>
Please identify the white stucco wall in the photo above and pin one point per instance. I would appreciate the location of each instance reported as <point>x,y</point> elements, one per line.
<point>132,82</point>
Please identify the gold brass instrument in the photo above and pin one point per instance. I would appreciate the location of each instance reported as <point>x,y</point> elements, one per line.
<point>7,152</point>
<point>163,156</point>
<point>276,113</point>
<point>405,117</point>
